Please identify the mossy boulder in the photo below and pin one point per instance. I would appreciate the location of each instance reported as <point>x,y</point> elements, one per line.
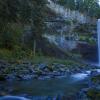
<point>50,68</point>
<point>96,79</point>
<point>93,94</point>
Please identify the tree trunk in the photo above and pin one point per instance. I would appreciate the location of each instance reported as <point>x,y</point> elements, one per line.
<point>34,48</point>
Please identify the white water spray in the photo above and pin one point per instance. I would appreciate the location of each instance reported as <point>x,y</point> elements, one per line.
<point>13,98</point>
<point>98,32</point>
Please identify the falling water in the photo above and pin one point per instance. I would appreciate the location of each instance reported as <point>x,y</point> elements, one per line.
<point>98,31</point>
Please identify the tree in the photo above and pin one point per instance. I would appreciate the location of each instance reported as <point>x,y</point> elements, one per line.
<point>8,14</point>
<point>37,21</point>
<point>8,10</point>
<point>24,11</point>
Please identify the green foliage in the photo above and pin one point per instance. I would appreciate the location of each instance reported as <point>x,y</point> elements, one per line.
<point>96,79</point>
<point>8,10</point>
<point>22,54</point>
<point>87,39</point>
<point>10,36</point>
<point>91,41</point>
<point>37,17</point>
<point>16,14</point>
<point>82,38</point>
<point>16,54</point>
<point>67,3</point>
<point>52,60</point>
<point>19,53</point>
<point>82,28</point>
<point>5,54</point>
<point>24,11</point>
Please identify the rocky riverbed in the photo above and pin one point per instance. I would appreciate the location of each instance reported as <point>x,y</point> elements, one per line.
<point>92,92</point>
<point>27,71</point>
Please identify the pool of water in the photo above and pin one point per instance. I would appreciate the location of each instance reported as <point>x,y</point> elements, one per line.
<point>50,87</point>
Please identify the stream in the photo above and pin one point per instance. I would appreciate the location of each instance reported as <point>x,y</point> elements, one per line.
<point>38,89</point>
<point>48,89</point>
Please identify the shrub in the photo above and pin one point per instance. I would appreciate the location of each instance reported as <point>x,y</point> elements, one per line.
<point>5,54</point>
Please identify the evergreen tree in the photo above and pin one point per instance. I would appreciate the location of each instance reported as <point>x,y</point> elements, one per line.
<point>37,21</point>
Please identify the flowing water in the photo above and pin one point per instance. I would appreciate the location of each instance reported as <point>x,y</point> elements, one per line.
<point>51,87</point>
<point>98,32</point>
<point>67,86</point>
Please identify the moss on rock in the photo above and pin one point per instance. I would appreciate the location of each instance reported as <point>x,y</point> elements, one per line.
<point>96,79</point>
<point>93,94</point>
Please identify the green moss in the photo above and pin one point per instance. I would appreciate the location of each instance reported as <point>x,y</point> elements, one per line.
<point>93,94</point>
<point>96,79</point>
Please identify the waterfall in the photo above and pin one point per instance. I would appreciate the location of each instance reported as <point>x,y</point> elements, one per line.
<point>98,32</point>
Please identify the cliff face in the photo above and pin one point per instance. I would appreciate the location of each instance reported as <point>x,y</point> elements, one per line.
<point>69,14</point>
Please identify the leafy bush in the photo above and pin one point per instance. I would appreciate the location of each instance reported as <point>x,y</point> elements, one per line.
<point>5,54</point>
<point>16,54</point>
<point>87,39</point>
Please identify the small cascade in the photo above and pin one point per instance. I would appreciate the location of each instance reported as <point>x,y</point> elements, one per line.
<point>98,32</point>
<point>79,76</point>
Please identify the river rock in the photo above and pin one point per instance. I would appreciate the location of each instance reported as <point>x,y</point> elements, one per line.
<point>42,66</point>
<point>27,77</point>
<point>11,77</point>
<point>94,73</point>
